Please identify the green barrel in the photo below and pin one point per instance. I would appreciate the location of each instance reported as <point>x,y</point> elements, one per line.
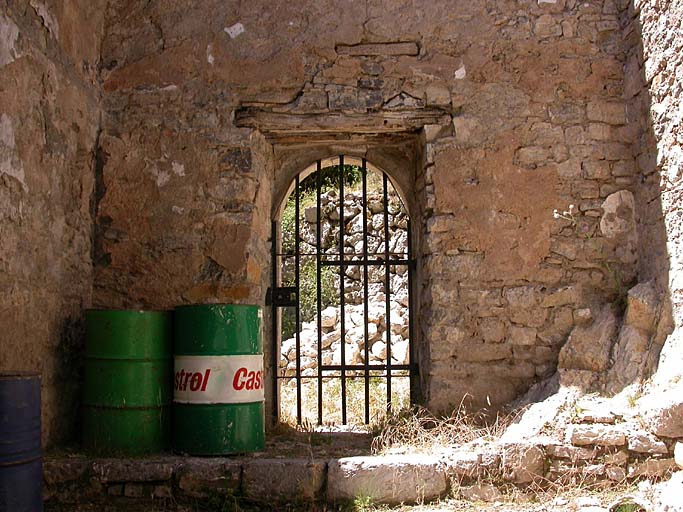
<point>127,385</point>
<point>218,385</point>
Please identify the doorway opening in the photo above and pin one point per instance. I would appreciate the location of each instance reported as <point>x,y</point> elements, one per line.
<point>341,297</point>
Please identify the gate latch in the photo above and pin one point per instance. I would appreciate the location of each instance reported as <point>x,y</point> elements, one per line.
<point>283,296</point>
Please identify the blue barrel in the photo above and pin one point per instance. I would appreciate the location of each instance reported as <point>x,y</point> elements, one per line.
<point>21,457</point>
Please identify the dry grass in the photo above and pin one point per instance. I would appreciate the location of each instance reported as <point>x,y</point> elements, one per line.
<point>355,402</point>
<point>418,430</point>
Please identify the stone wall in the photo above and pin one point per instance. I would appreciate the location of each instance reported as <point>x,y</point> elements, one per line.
<point>653,70</point>
<point>49,119</point>
<point>488,115</point>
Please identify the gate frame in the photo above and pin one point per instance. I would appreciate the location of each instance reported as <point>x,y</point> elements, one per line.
<point>289,296</point>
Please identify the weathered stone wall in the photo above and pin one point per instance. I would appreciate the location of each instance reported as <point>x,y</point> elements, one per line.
<point>49,119</point>
<point>654,71</point>
<point>501,112</point>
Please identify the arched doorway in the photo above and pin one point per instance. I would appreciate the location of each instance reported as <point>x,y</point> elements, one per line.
<point>341,296</point>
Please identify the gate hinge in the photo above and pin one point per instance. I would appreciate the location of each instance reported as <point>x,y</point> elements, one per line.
<point>283,296</point>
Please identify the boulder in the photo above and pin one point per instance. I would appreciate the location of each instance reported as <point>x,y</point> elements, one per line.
<point>642,306</point>
<point>589,346</point>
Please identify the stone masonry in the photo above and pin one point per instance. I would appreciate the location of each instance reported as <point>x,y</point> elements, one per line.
<point>146,146</point>
<point>504,112</point>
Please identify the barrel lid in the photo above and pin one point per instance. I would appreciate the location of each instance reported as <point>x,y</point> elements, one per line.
<point>19,374</point>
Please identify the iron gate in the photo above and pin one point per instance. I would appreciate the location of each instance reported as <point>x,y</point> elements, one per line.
<point>381,259</point>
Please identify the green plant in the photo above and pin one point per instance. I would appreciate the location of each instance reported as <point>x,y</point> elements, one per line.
<point>363,504</point>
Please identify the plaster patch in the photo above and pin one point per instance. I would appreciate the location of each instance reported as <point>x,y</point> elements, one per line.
<point>460,73</point>
<point>9,161</point>
<point>9,33</point>
<point>171,87</point>
<point>162,177</point>
<point>177,209</point>
<point>49,20</point>
<point>209,54</point>
<point>234,30</point>
<point>547,2</point>
<point>178,168</point>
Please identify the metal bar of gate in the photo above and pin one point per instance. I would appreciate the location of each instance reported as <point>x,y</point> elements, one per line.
<point>275,361</point>
<point>364,171</point>
<point>387,285</point>
<point>411,344</point>
<point>318,245</point>
<point>297,315</point>
<point>342,273</point>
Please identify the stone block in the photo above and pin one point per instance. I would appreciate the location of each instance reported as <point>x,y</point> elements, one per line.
<point>131,470</point>
<point>609,112</point>
<point>546,26</point>
<point>472,461</point>
<point>522,335</point>
<point>615,473</point>
<point>59,471</point>
<point>644,442</point>
<point>617,458</point>
<point>523,462</point>
<point>487,493</point>
<point>204,477</point>
<point>589,346</point>
<point>387,480</point>
<point>162,492</point>
<point>492,330</point>
<point>562,296</point>
<point>600,435</point>
<point>485,352</point>
<point>573,453</point>
<point>283,480</point>
<point>137,490</point>
<point>651,468</point>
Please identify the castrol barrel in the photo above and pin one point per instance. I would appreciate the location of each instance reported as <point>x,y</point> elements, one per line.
<point>21,462</point>
<point>127,384</point>
<point>218,380</point>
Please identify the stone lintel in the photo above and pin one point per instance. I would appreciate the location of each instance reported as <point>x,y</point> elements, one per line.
<point>276,124</point>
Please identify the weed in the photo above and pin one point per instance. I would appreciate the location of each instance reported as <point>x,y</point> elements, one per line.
<point>417,429</point>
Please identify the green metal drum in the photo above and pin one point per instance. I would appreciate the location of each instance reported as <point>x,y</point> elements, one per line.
<point>218,386</point>
<point>127,387</point>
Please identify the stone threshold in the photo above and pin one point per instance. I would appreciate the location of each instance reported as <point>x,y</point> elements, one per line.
<point>476,470</point>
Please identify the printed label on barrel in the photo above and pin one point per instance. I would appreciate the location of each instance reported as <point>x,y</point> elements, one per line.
<point>218,379</point>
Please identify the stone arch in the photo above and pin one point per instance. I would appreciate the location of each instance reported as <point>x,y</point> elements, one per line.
<point>398,164</point>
